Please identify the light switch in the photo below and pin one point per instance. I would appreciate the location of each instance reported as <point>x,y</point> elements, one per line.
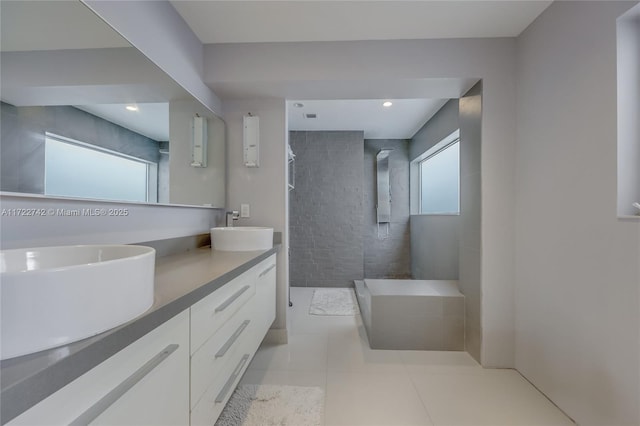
<point>244,210</point>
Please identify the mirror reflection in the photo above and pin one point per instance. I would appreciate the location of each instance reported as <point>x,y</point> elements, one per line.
<point>84,114</point>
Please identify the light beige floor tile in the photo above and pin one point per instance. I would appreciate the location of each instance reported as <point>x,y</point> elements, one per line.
<point>349,351</point>
<point>316,324</point>
<point>372,399</point>
<point>285,377</point>
<point>494,397</point>
<point>454,362</point>
<point>305,352</point>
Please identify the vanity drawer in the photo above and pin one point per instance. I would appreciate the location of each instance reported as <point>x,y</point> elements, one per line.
<point>207,362</point>
<point>212,403</point>
<point>210,313</point>
<point>146,383</point>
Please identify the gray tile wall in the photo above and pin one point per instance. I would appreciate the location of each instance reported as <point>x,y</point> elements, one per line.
<point>389,257</point>
<point>326,209</point>
<point>23,136</point>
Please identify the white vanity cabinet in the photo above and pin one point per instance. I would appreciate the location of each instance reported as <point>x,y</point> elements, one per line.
<point>218,364</point>
<point>183,372</point>
<point>146,383</point>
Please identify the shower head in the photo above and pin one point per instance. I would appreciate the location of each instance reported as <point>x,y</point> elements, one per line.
<point>383,153</point>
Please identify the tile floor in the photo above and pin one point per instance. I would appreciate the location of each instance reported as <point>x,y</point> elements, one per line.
<point>375,387</point>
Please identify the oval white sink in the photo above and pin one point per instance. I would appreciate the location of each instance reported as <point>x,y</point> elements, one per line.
<point>52,296</point>
<point>242,238</point>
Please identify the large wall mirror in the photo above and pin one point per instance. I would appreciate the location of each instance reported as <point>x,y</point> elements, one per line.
<point>86,115</point>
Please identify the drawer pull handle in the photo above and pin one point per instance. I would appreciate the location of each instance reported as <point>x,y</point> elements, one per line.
<point>223,350</point>
<point>116,393</point>
<point>230,300</point>
<point>227,386</point>
<point>267,270</point>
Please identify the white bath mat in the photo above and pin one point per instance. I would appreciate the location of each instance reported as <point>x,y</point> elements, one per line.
<point>270,405</point>
<point>333,301</point>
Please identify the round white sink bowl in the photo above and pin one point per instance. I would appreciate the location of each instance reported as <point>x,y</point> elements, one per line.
<point>52,296</point>
<point>242,238</point>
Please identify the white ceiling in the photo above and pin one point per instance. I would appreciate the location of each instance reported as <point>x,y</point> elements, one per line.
<point>301,20</point>
<point>354,105</point>
<point>399,121</point>
<point>66,24</point>
<point>151,119</point>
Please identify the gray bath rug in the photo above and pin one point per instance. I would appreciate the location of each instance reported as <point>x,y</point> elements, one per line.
<point>333,301</point>
<point>270,405</point>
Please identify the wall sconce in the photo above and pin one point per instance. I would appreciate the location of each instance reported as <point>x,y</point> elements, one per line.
<point>199,142</point>
<point>251,140</point>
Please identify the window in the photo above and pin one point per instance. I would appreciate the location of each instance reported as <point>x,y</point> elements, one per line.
<point>77,169</point>
<point>439,178</point>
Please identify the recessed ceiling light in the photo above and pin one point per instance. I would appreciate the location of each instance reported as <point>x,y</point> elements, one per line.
<point>131,107</point>
<point>298,105</point>
<point>387,104</point>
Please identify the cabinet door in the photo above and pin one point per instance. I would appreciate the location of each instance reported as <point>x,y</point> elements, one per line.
<point>146,383</point>
<point>266,294</point>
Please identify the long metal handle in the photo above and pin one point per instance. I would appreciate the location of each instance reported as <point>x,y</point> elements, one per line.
<point>227,386</point>
<point>116,393</point>
<point>223,350</point>
<point>230,300</point>
<point>266,271</point>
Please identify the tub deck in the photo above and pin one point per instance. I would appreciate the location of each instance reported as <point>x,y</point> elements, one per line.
<point>412,314</point>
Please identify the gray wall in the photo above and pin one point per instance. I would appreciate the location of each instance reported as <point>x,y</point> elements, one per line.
<point>449,247</point>
<point>326,209</point>
<point>22,147</point>
<point>434,238</point>
<point>577,266</point>
<point>389,257</point>
<point>469,225</point>
<point>434,247</point>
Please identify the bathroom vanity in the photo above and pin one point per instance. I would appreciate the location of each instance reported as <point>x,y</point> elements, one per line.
<point>176,364</point>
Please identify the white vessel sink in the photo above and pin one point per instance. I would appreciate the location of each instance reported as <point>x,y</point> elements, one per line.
<point>52,296</point>
<point>242,238</point>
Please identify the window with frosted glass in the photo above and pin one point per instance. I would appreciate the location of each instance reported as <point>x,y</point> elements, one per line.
<point>440,181</point>
<point>77,170</point>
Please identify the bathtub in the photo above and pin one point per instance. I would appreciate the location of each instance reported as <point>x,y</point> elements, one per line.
<point>412,314</point>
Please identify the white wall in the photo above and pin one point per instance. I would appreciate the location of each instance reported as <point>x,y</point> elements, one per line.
<point>142,222</point>
<point>367,63</point>
<point>264,188</point>
<point>578,280</point>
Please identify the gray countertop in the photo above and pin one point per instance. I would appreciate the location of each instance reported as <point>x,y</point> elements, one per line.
<point>180,281</point>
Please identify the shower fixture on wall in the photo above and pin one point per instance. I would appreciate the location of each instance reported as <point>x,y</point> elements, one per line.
<point>383,205</point>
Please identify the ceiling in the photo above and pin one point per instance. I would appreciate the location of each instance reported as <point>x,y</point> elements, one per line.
<point>399,121</point>
<point>66,24</point>
<point>354,105</point>
<point>150,120</point>
<point>292,21</point>
<point>301,20</point>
